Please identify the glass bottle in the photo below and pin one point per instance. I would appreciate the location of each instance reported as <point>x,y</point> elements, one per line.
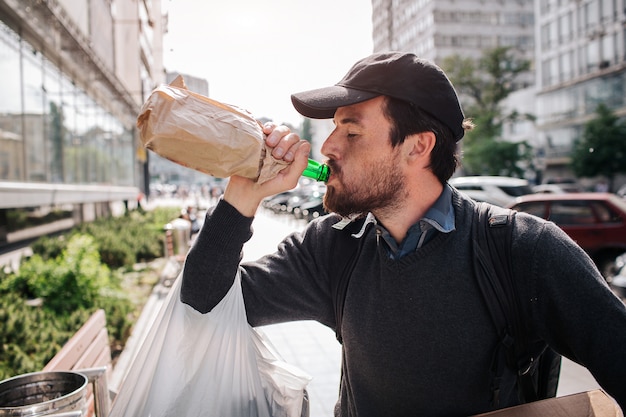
<point>317,171</point>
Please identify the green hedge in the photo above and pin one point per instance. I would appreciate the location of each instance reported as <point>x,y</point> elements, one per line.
<point>69,277</point>
<point>122,241</point>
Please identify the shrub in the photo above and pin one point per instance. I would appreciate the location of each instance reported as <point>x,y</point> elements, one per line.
<point>135,237</point>
<point>31,336</point>
<point>71,281</point>
<point>72,276</point>
<point>70,287</point>
<point>49,247</point>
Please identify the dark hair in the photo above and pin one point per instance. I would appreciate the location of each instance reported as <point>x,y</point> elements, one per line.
<point>407,119</point>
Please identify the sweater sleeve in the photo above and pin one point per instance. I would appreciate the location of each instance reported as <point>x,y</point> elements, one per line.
<point>212,262</point>
<point>290,283</point>
<point>573,308</point>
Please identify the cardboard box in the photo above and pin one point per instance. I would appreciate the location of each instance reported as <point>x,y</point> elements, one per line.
<point>585,404</point>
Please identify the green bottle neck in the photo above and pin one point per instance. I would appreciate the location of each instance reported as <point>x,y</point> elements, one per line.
<point>316,171</point>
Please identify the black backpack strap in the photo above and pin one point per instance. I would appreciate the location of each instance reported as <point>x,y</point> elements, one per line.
<point>346,251</point>
<point>491,242</point>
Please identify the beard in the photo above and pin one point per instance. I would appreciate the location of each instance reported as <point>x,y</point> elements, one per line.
<point>379,188</point>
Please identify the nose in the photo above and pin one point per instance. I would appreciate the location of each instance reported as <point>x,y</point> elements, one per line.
<point>329,147</point>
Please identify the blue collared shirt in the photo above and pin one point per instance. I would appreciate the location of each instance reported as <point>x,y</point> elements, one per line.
<point>438,218</point>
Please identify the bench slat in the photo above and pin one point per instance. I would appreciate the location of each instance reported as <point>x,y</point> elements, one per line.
<point>79,343</point>
<point>87,348</point>
<point>99,345</point>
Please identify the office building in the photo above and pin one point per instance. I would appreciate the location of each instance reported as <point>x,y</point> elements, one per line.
<point>436,29</point>
<point>581,62</point>
<point>74,74</point>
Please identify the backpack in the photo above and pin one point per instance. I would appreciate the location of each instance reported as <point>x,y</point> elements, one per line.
<point>536,365</point>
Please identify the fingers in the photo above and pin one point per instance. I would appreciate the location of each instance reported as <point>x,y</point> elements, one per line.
<point>283,142</point>
<point>245,194</point>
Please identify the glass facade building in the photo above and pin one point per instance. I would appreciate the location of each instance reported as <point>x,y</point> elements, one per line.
<point>73,76</point>
<point>54,131</point>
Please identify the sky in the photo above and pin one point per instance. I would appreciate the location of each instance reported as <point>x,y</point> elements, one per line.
<point>256,53</point>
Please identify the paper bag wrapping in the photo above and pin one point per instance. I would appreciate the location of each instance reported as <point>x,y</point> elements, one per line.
<point>203,134</point>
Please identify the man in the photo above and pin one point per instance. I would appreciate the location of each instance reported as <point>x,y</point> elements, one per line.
<point>417,337</point>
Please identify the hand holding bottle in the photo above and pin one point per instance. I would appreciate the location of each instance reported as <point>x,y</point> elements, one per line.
<point>246,195</point>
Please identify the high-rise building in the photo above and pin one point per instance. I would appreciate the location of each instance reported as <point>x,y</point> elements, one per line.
<point>581,62</point>
<point>435,29</point>
<point>74,74</point>
<point>578,50</point>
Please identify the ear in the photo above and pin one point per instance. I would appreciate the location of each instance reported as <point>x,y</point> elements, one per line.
<point>419,147</point>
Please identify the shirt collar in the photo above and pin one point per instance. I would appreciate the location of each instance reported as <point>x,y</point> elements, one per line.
<point>441,214</point>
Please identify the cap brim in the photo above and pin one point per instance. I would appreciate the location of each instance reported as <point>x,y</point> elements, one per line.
<point>323,102</point>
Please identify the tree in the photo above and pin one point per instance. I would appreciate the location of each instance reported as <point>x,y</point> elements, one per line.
<point>602,148</point>
<point>482,85</point>
<point>306,131</point>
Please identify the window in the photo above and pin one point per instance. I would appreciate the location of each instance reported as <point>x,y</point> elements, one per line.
<point>591,14</point>
<point>592,55</point>
<point>604,213</point>
<point>516,190</point>
<point>536,209</point>
<point>34,126</point>
<point>571,213</point>
<point>608,10</point>
<point>565,28</point>
<point>11,135</point>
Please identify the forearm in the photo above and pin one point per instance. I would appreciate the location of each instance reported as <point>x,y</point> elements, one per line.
<point>213,260</point>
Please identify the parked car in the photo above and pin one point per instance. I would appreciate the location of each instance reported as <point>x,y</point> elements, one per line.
<point>556,188</point>
<point>596,221</point>
<point>500,191</point>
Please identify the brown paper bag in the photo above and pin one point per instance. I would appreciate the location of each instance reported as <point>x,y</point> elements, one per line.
<point>595,403</point>
<point>203,134</point>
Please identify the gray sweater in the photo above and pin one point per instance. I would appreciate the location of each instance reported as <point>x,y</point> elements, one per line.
<point>418,339</point>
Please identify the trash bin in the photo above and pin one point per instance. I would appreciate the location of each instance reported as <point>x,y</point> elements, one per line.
<point>180,230</point>
<point>43,394</point>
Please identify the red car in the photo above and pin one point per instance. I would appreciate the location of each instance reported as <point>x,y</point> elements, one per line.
<point>596,221</point>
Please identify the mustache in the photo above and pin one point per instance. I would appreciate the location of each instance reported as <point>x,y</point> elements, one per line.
<point>333,166</point>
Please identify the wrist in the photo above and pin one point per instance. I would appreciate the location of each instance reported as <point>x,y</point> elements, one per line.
<point>243,200</point>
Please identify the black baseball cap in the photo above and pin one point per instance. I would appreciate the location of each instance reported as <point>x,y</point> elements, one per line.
<point>400,75</point>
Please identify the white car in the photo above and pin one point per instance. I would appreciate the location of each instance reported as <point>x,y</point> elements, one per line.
<point>500,191</point>
<point>556,188</point>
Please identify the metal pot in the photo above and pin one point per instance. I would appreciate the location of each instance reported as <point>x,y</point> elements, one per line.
<point>43,394</point>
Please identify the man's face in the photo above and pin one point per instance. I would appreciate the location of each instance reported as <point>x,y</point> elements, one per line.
<point>365,171</point>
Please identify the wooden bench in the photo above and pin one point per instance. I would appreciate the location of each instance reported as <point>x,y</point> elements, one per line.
<point>89,353</point>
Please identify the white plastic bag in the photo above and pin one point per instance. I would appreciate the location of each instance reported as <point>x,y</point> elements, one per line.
<point>212,365</point>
